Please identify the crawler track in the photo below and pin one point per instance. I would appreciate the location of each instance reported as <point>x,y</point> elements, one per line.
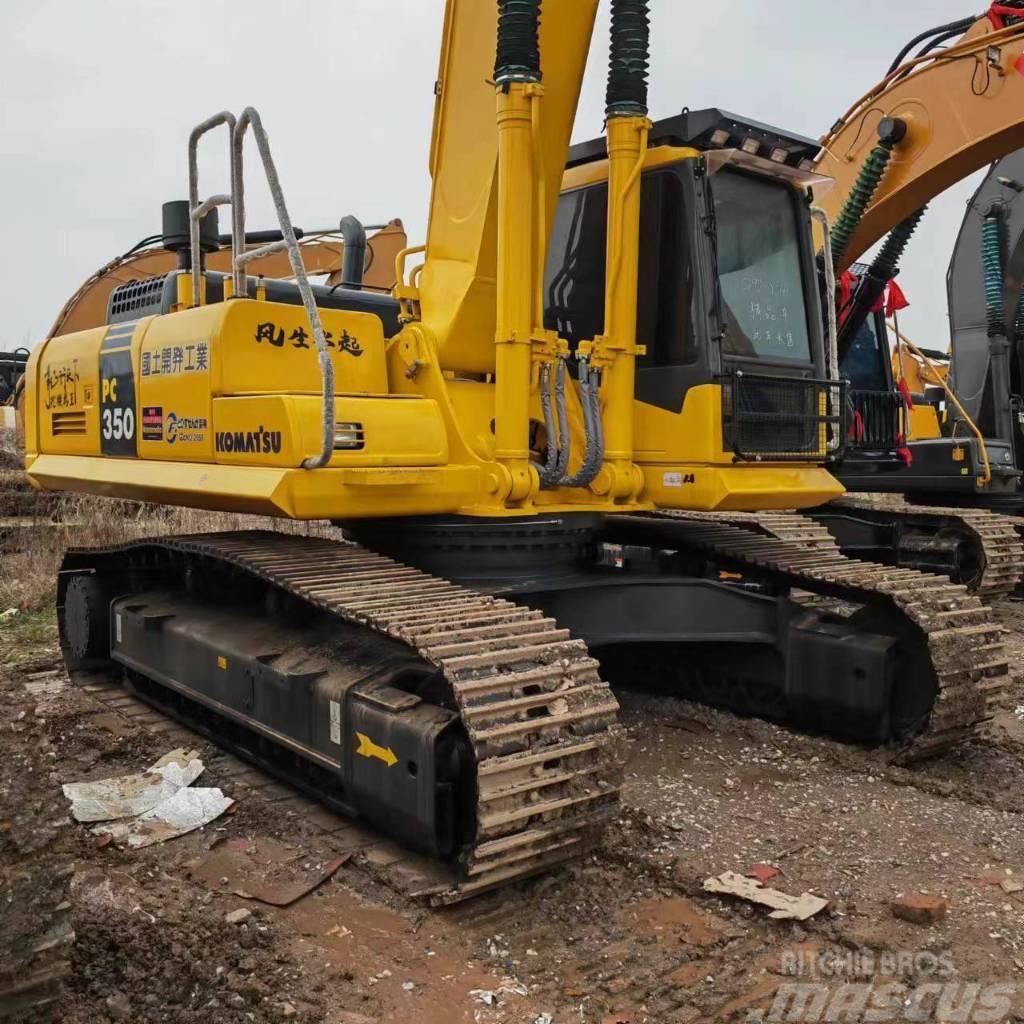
<point>964,642</point>
<point>996,545</point>
<point>539,717</point>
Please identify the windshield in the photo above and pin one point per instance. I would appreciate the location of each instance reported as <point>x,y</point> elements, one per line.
<point>862,365</point>
<point>759,269</point>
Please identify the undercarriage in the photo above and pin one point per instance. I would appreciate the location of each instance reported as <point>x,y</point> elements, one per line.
<point>467,716</point>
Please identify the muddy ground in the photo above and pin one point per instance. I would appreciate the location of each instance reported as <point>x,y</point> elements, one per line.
<point>628,936</point>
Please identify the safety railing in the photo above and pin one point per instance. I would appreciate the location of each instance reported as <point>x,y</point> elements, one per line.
<point>240,257</point>
<point>783,419</point>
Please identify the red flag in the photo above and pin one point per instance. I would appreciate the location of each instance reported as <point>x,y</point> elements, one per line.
<point>857,426</point>
<point>905,454</point>
<point>896,301</point>
<point>847,282</point>
<point>905,392</point>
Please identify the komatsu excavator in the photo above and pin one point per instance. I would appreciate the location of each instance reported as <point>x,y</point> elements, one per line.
<point>934,118</point>
<point>523,447</point>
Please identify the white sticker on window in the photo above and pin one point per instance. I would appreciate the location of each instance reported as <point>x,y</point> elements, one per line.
<point>335,722</point>
<point>673,479</point>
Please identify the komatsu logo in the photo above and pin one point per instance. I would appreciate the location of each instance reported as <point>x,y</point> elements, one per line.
<point>257,442</point>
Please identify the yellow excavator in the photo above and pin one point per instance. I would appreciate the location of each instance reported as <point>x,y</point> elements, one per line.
<point>525,446</point>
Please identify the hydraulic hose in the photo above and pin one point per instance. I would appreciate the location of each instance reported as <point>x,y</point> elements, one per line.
<point>547,473</point>
<point>562,410</point>
<point>958,27</point>
<point>593,456</point>
<point>871,287</point>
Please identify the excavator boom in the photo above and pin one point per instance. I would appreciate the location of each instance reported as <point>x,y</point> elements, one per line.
<point>961,108</point>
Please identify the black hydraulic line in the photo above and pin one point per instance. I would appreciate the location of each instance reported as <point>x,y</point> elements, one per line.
<point>261,237</point>
<point>626,95</point>
<point>149,240</point>
<point>562,411</point>
<point>518,54</point>
<point>547,472</point>
<point>938,41</point>
<point>954,26</point>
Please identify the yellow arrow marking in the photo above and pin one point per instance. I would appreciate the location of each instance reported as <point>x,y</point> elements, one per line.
<point>367,748</point>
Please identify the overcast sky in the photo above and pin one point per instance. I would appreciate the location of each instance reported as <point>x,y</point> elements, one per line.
<point>97,98</point>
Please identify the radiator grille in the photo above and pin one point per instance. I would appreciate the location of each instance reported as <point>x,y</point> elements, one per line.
<point>136,298</point>
<point>874,420</point>
<point>782,418</point>
<point>64,423</point>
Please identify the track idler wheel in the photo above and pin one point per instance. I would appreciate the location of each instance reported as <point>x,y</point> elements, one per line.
<point>84,621</point>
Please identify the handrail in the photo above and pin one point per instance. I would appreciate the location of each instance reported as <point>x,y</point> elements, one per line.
<point>986,478</point>
<point>250,118</point>
<point>197,210</point>
<point>401,257</point>
<point>832,370</point>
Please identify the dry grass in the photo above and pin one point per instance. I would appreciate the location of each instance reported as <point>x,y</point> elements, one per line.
<point>29,566</point>
<point>49,524</point>
<point>10,453</point>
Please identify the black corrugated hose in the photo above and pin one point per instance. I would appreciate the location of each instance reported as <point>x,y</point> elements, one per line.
<point>630,58</point>
<point>518,56</point>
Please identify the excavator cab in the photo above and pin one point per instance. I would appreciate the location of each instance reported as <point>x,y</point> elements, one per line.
<point>728,305</point>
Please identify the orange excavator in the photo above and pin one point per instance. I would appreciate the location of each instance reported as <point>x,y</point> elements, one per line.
<point>949,104</point>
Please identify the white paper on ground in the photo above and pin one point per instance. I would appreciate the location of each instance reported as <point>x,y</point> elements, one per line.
<point>784,907</point>
<point>129,795</point>
<point>185,811</point>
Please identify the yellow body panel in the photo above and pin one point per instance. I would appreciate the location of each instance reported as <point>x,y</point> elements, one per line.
<point>739,488</point>
<point>219,406</point>
<point>923,423</point>
<point>258,490</point>
<point>597,170</point>
<point>281,430</point>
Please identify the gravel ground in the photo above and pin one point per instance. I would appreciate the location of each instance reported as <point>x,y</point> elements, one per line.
<point>628,936</point>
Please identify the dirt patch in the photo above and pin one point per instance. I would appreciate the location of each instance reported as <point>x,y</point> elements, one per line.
<point>627,935</point>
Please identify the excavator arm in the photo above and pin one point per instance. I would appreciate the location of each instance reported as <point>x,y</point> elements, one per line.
<point>943,115</point>
<point>459,282</point>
